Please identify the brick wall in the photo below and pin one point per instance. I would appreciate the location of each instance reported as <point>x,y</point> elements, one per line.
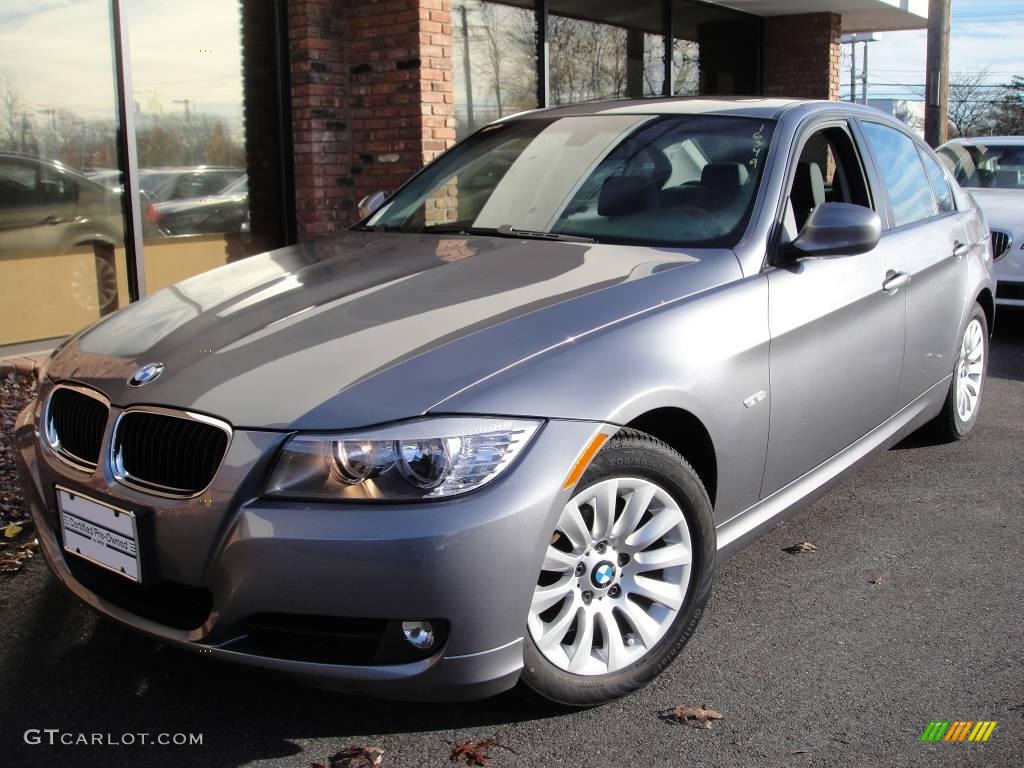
<point>372,100</point>
<point>802,55</point>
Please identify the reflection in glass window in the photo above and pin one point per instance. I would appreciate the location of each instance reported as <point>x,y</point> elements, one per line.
<point>897,158</point>
<point>190,135</point>
<point>494,62</point>
<point>604,52</point>
<point>940,184</point>
<point>62,258</point>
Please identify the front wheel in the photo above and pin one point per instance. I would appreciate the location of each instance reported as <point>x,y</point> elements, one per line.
<point>625,577</point>
<point>960,411</point>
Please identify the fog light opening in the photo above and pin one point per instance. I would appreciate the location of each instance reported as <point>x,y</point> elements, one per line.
<point>419,634</point>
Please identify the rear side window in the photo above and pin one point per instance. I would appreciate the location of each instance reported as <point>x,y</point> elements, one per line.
<point>910,193</point>
<point>940,184</point>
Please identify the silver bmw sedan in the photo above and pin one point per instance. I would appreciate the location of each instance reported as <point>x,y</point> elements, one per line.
<point>500,431</point>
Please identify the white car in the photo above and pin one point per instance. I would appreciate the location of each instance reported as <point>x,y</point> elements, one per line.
<point>991,168</point>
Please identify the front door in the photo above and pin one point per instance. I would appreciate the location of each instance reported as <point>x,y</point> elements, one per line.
<point>837,336</point>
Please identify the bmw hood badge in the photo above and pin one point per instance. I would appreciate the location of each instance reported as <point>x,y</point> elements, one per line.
<point>146,374</point>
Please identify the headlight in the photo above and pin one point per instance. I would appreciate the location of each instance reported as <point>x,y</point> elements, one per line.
<point>425,459</point>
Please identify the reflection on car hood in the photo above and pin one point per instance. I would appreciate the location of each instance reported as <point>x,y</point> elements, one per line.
<point>369,327</point>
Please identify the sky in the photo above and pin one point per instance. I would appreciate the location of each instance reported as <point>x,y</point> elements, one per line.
<point>984,33</point>
<point>58,52</point>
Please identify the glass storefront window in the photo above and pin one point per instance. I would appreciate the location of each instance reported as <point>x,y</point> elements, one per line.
<point>605,50</point>
<point>62,257</point>
<point>494,61</point>
<point>190,135</point>
<point>716,51</point>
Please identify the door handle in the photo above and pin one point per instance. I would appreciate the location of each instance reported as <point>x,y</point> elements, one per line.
<point>961,250</point>
<point>53,219</point>
<point>894,281</point>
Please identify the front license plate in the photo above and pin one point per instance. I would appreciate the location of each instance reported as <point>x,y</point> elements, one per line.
<point>104,535</point>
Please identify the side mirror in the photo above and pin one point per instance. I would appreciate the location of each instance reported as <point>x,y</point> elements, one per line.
<point>371,203</point>
<point>838,229</point>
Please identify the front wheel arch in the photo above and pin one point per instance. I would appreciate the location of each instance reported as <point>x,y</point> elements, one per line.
<point>686,434</point>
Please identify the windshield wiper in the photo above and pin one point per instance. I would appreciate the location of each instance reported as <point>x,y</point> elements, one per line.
<point>507,230</point>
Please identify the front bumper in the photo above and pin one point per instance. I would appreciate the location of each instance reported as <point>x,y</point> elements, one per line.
<point>471,562</point>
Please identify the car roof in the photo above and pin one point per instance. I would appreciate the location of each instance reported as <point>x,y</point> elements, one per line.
<point>736,106</point>
<point>1012,140</point>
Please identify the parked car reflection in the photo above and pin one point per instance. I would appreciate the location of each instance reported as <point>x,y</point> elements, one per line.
<point>225,212</point>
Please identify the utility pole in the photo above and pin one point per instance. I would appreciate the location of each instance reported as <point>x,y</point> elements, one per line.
<point>937,73</point>
<point>853,71</point>
<point>188,112</point>
<point>852,40</point>
<point>467,72</point>
<point>864,75</point>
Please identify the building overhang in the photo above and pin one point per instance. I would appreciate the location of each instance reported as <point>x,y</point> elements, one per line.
<point>858,15</point>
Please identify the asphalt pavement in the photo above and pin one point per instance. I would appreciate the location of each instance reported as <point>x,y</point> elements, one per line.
<point>910,610</point>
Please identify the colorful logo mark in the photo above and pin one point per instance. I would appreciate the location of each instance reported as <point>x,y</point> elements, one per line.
<point>959,730</point>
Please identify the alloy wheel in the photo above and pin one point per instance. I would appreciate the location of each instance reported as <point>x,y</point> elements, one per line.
<point>614,578</point>
<point>969,370</point>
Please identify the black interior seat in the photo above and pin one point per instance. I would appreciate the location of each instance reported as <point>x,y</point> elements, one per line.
<point>808,191</point>
<point>626,195</point>
<point>718,187</point>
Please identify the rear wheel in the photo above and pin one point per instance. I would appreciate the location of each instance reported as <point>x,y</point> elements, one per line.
<point>625,576</point>
<point>960,412</point>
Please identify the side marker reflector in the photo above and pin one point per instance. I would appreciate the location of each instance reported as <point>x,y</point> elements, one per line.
<point>584,460</point>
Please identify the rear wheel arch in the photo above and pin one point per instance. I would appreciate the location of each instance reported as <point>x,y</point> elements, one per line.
<point>686,434</point>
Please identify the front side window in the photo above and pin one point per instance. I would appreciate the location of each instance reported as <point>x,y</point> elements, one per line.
<point>686,180</point>
<point>897,158</point>
<point>985,165</point>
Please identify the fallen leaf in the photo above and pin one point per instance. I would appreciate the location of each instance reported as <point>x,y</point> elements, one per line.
<point>803,546</point>
<point>474,752</point>
<point>12,530</point>
<point>357,757</point>
<point>698,717</point>
<point>10,565</point>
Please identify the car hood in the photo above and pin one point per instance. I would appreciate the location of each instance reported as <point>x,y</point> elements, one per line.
<point>366,328</point>
<point>1004,208</point>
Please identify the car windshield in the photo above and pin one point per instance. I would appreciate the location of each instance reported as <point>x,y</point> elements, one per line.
<point>999,166</point>
<point>684,180</point>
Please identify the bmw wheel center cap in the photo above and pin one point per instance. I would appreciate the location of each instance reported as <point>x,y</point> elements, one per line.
<point>603,574</point>
<point>146,374</point>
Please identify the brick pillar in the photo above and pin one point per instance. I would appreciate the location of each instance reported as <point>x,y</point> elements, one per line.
<point>372,100</point>
<point>802,55</point>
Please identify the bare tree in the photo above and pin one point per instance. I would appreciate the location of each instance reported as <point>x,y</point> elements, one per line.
<point>14,122</point>
<point>969,103</point>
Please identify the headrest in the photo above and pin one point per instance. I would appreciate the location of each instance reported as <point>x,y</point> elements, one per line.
<point>809,185</point>
<point>724,175</point>
<point>623,195</point>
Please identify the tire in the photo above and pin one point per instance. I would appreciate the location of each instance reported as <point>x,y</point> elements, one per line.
<point>952,424</point>
<point>649,483</point>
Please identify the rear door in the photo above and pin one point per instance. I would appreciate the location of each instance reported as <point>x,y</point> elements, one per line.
<point>933,238</point>
<point>837,335</point>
